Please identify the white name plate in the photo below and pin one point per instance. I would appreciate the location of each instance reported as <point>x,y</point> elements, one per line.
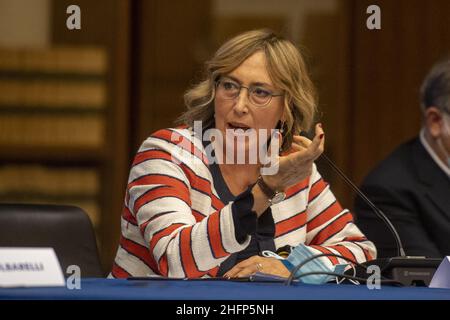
<point>441,278</point>
<point>30,267</point>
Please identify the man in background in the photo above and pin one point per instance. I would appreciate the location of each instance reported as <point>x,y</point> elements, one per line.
<point>412,185</point>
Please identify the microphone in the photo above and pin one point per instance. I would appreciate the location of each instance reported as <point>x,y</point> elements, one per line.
<point>378,212</point>
<point>407,270</point>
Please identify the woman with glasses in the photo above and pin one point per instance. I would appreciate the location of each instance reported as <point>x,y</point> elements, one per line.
<point>196,206</point>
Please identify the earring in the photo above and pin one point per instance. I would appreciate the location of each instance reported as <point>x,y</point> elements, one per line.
<point>281,142</point>
<point>282,132</point>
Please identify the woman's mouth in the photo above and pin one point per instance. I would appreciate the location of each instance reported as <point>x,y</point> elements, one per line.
<point>237,127</point>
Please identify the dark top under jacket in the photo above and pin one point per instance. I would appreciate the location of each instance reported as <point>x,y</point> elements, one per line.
<point>262,229</point>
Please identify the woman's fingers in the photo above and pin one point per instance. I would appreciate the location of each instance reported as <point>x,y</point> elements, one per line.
<point>303,141</point>
<point>314,148</point>
<point>258,264</point>
<point>246,272</point>
<point>244,266</point>
<point>297,147</point>
<point>300,143</point>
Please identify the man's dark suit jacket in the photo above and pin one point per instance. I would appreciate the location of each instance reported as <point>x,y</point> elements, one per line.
<point>414,193</point>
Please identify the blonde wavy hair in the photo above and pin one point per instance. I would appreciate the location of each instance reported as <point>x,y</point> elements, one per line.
<point>286,69</point>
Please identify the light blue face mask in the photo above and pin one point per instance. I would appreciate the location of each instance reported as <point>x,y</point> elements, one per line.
<point>300,253</point>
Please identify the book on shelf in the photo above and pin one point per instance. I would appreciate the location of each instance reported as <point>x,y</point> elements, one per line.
<point>52,94</point>
<point>63,181</point>
<point>52,185</point>
<point>54,130</point>
<point>60,59</point>
<point>53,99</point>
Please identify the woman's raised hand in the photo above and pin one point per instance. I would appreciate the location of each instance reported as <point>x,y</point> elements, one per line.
<point>296,166</point>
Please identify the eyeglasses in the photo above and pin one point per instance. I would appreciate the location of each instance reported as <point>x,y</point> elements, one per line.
<point>258,95</point>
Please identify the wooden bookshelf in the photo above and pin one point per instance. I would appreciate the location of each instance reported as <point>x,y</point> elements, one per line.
<point>54,113</point>
<point>51,154</point>
<point>105,23</point>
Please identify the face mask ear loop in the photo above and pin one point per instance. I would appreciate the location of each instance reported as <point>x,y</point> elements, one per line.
<point>356,282</point>
<point>270,254</point>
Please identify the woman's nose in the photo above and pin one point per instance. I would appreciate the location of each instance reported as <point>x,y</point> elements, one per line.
<point>242,102</point>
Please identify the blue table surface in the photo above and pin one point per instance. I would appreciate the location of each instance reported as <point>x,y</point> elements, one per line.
<point>115,289</point>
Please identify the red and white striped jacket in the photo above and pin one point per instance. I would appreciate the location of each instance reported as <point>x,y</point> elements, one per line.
<point>174,224</point>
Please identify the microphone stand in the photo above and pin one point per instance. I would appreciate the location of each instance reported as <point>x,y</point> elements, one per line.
<point>408,270</point>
